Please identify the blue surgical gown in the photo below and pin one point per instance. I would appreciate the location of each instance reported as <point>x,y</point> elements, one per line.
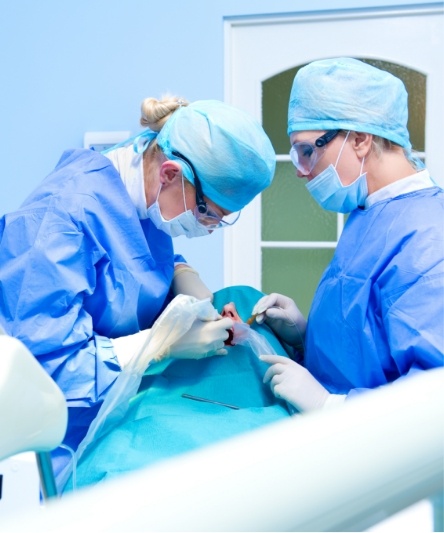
<point>77,267</point>
<point>378,312</point>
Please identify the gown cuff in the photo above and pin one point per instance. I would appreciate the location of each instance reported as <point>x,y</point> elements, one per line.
<point>128,346</point>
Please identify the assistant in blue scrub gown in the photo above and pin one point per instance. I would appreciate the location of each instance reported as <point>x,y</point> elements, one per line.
<point>378,312</point>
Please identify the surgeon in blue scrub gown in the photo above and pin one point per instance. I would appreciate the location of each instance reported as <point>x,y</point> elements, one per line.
<point>378,313</point>
<point>88,257</point>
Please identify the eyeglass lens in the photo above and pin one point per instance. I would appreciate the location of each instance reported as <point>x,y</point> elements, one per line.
<point>212,220</point>
<point>203,214</point>
<point>305,154</point>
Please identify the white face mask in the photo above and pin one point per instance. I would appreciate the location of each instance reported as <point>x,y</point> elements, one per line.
<point>327,189</point>
<point>184,224</point>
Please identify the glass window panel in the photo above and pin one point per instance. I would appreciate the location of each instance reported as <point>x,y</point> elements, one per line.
<point>289,213</point>
<point>295,273</point>
<point>275,94</point>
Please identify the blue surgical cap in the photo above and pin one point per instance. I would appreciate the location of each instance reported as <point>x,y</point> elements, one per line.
<point>231,154</point>
<point>344,93</point>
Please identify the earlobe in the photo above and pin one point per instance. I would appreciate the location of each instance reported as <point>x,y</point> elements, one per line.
<point>169,170</point>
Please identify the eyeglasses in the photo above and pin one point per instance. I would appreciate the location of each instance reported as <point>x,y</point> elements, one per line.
<point>204,215</point>
<point>305,154</point>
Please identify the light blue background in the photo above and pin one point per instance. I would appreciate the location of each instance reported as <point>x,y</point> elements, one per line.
<point>68,67</point>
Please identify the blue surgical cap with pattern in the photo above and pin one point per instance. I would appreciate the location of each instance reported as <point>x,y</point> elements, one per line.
<point>231,153</point>
<point>345,93</point>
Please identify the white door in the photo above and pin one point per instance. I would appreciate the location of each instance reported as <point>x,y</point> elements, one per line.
<point>259,49</point>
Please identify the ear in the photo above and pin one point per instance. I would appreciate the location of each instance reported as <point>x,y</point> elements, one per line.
<point>169,171</point>
<point>362,143</point>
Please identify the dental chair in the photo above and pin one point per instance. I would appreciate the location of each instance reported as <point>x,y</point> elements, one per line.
<point>33,411</point>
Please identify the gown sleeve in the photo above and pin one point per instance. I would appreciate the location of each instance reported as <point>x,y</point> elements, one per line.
<point>414,325</point>
<point>47,271</point>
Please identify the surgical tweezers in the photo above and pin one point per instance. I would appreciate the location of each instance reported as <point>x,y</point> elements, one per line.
<point>199,399</point>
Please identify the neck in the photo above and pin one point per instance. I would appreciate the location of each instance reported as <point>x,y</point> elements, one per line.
<point>151,164</point>
<point>387,168</point>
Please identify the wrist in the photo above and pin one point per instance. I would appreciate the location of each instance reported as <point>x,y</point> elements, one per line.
<point>334,400</point>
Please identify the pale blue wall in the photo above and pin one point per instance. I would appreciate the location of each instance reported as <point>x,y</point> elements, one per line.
<point>70,66</point>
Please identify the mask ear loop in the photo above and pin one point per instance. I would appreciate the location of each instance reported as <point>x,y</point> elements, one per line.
<point>183,193</point>
<point>342,148</point>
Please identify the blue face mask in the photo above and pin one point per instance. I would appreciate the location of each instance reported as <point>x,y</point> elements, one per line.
<point>329,192</point>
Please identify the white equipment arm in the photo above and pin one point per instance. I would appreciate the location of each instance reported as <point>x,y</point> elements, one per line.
<point>341,469</point>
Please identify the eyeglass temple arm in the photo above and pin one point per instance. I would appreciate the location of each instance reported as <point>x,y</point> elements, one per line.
<point>326,138</point>
<point>201,204</point>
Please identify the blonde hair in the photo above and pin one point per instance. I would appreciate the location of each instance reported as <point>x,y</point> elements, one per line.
<point>156,112</point>
<point>380,145</point>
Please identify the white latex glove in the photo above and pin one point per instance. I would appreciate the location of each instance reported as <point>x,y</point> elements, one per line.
<point>284,318</point>
<point>128,346</point>
<point>294,383</point>
<point>203,339</point>
<point>187,281</point>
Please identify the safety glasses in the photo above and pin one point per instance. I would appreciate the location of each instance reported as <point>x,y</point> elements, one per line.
<point>204,215</point>
<point>304,155</point>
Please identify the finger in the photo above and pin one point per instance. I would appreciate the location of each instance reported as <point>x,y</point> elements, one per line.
<point>277,389</point>
<point>268,375</point>
<point>212,353</point>
<point>224,323</point>
<point>258,305</point>
<point>218,328</point>
<point>272,374</point>
<point>264,303</point>
<point>273,359</point>
<point>222,333</point>
<point>274,313</point>
<point>260,318</point>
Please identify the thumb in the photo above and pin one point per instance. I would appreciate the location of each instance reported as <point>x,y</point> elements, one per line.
<point>275,313</point>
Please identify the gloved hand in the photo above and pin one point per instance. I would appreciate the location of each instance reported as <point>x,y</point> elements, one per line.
<point>284,318</point>
<point>203,339</point>
<point>294,383</point>
<point>187,281</point>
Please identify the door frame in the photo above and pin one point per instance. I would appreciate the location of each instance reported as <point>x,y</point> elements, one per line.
<point>258,47</point>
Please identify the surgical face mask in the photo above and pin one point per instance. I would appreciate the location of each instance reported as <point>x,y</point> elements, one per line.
<point>328,190</point>
<point>184,224</point>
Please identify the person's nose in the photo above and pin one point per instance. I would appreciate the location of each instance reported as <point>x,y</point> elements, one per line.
<point>301,174</point>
